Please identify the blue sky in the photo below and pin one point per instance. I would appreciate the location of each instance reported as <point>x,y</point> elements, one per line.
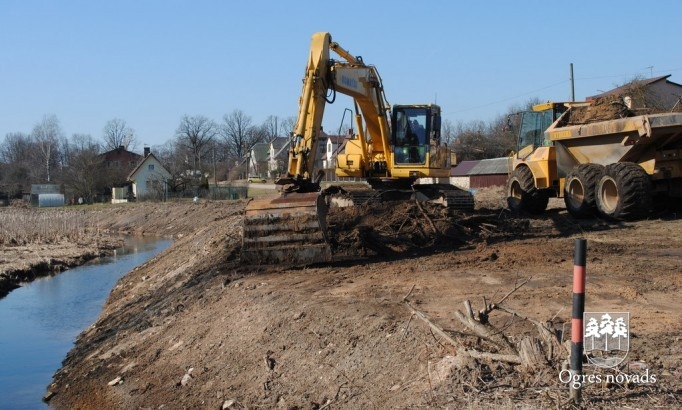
<point>150,62</point>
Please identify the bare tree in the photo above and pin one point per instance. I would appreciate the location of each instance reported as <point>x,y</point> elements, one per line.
<point>21,165</point>
<point>174,161</point>
<point>195,134</point>
<point>274,127</point>
<point>117,133</point>
<point>238,133</point>
<point>47,134</point>
<point>447,132</point>
<point>84,175</point>
<point>239,136</point>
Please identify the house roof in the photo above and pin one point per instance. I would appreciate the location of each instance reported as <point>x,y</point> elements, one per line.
<point>119,154</point>
<point>279,145</point>
<point>639,83</point>
<point>492,166</point>
<point>139,165</point>
<point>463,168</point>
<point>260,151</point>
<point>279,142</point>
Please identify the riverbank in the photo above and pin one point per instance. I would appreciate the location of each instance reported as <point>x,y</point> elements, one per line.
<point>26,256</point>
<point>191,328</point>
<point>41,242</point>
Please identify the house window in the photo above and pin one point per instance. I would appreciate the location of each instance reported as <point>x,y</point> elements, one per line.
<point>150,167</point>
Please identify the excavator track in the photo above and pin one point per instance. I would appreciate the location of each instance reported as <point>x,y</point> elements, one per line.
<point>450,196</point>
<point>287,228</point>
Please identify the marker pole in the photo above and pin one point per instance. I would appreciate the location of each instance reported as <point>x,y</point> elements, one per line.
<point>577,316</point>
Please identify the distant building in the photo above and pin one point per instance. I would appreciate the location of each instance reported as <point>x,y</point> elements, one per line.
<point>481,173</point>
<point>490,172</point>
<point>278,156</point>
<point>46,195</point>
<point>149,179</point>
<point>120,159</point>
<point>258,160</point>
<point>655,93</point>
<point>116,165</point>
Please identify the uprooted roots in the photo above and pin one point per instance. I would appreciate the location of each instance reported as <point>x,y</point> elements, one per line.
<point>407,227</point>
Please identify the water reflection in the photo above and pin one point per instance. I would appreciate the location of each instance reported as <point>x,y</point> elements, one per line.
<point>40,321</point>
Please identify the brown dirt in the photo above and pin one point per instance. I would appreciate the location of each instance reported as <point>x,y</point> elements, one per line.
<point>192,328</point>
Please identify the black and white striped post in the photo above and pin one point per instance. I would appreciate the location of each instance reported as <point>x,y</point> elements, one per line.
<point>579,263</point>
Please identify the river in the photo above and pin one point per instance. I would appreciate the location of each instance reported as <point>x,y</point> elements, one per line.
<point>40,321</point>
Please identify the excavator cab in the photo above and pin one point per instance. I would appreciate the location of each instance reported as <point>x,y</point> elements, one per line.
<point>410,142</point>
<point>415,138</point>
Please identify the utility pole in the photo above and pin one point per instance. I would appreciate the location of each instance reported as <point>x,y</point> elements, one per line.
<point>215,175</point>
<point>572,84</point>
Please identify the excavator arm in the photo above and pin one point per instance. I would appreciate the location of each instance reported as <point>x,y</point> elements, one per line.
<point>324,77</point>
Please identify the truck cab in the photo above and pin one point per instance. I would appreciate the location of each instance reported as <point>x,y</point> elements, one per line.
<point>533,125</point>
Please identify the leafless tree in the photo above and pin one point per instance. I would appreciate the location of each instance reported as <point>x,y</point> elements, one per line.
<point>447,132</point>
<point>239,134</point>
<point>238,137</point>
<point>47,134</point>
<point>195,134</point>
<point>270,127</point>
<point>287,126</point>
<point>21,165</point>
<point>117,133</point>
<point>173,160</point>
<point>274,127</point>
<point>84,176</point>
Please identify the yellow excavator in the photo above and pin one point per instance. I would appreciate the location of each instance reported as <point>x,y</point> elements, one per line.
<point>393,150</point>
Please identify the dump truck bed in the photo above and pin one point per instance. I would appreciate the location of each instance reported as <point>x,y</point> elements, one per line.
<point>643,139</point>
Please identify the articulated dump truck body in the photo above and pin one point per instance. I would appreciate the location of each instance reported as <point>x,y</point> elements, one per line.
<point>653,141</point>
<point>288,228</point>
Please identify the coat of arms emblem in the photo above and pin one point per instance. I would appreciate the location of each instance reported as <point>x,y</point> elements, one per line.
<point>606,337</point>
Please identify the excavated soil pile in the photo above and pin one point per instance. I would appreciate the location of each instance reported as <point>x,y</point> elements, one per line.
<point>613,107</point>
<point>602,109</point>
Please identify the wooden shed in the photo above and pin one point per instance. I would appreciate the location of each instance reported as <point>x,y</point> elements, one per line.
<point>490,172</point>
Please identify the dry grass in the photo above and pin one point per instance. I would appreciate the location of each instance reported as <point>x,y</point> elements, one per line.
<point>29,226</point>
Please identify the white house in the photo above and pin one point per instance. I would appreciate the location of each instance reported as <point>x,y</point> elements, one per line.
<point>149,178</point>
<point>278,156</point>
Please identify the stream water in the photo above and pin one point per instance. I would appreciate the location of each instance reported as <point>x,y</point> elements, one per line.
<point>40,321</point>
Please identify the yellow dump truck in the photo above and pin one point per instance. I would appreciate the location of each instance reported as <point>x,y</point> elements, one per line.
<point>613,168</point>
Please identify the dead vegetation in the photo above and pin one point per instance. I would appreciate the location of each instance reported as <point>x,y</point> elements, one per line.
<point>22,226</point>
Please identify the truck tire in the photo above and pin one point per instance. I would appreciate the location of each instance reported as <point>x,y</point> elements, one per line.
<point>580,190</point>
<point>522,195</point>
<point>624,192</point>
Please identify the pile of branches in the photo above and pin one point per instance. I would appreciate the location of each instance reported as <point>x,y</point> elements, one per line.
<point>490,358</point>
<point>413,227</point>
<point>394,227</point>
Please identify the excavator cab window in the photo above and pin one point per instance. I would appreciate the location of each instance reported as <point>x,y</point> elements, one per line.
<point>410,135</point>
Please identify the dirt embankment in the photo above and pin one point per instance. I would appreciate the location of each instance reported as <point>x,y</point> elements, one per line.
<point>192,328</point>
